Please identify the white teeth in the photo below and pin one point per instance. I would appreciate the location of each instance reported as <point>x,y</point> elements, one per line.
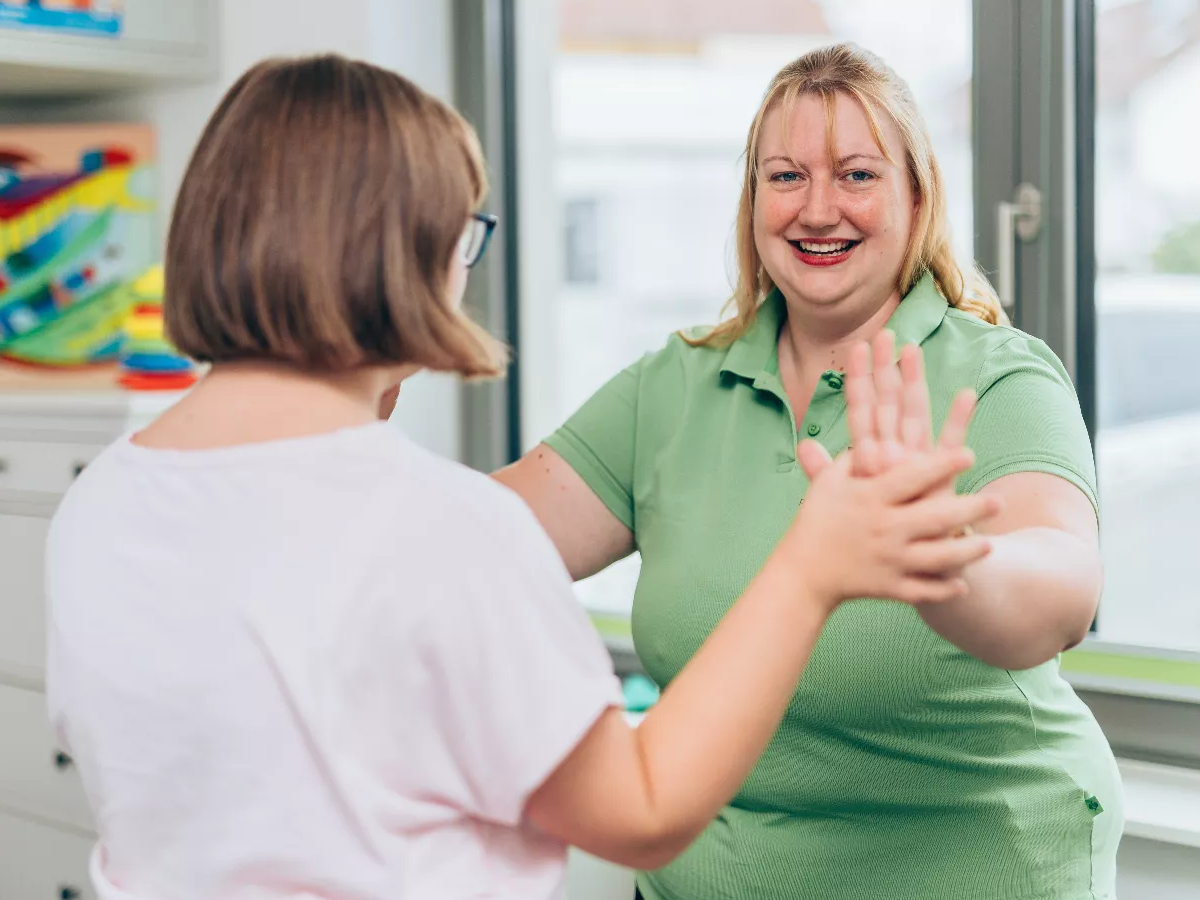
<point>810,247</point>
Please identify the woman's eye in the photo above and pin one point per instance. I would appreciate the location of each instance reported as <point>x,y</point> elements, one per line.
<point>785,177</point>
<point>859,177</point>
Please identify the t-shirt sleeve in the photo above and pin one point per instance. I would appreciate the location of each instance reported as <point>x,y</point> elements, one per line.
<point>1028,419</point>
<point>517,671</point>
<point>599,442</point>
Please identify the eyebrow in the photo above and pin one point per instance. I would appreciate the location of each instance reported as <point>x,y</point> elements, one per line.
<point>840,162</point>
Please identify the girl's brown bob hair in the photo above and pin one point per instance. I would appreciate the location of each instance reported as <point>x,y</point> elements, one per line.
<point>317,222</point>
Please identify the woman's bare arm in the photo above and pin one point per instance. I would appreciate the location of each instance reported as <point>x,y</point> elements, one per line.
<point>588,536</point>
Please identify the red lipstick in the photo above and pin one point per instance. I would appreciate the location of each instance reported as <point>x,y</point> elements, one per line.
<point>823,251</point>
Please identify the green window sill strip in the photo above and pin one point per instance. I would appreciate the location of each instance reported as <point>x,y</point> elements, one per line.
<point>1093,664</point>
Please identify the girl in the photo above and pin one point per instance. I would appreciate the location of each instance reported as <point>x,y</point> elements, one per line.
<point>296,656</point>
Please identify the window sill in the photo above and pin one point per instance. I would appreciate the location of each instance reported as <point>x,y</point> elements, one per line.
<point>1133,671</point>
<point>1162,803</point>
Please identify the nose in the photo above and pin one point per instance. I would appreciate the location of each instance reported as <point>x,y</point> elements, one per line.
<point>819,209</point>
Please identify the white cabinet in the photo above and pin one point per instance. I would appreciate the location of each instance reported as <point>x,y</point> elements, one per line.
<point>45,825</point>
<point>37,778</point>
<point>159,40</point>
<point>38,862</point>
<point>22,614</point>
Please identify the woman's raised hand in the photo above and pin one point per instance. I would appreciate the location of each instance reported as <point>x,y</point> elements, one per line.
<point>880,521</point>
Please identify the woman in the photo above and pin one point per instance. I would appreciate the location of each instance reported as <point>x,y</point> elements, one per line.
<point>932,752</point>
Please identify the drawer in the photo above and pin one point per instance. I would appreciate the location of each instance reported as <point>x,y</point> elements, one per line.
<point>22,603</point>
<point>43,467</point>
<point>35,776</point>
<point>38,862</point>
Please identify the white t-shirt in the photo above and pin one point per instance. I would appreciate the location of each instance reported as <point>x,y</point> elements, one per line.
<point>328,667</point>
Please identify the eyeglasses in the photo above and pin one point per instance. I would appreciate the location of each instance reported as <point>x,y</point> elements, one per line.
<point>475,239</point>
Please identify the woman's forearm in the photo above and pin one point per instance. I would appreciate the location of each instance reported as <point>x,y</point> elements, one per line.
<point>1033,597</point>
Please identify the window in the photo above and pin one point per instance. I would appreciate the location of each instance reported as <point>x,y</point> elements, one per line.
<point>581,237</point>
<point>1147,320</point>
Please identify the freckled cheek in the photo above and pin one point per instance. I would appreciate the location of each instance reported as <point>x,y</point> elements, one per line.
<point>868,215</point>
<point>774,213</point>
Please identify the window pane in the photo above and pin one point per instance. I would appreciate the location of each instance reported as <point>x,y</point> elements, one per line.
<point>650,113</point>
<point>1148,320</point>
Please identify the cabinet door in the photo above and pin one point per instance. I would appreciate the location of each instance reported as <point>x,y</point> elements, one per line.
<point>38,862</point>
<point>22,607</point>
<point>36,776</point>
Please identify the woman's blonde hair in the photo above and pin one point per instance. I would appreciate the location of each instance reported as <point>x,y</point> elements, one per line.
<point>851,71</point>
<point>317,221</point>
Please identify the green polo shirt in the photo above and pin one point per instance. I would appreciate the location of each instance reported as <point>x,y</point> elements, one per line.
<point>904,769</point>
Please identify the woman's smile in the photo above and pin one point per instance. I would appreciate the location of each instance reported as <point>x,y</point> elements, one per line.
<point>823,251</point>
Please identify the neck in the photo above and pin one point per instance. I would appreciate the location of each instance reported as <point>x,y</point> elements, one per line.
<point>357,389</point>
<point>817,344</point>
<point>249,402</point>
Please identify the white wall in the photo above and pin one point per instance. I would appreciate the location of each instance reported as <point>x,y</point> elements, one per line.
<point>411,36</point>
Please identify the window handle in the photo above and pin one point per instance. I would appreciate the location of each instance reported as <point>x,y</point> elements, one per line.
<point>1019,218</point>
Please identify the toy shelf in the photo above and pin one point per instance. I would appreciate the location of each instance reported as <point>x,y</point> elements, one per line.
<point>157,41</point>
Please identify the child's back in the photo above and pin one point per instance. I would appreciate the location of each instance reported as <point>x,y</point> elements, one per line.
<point>294,669</point>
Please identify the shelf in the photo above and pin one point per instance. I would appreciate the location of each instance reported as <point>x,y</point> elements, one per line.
<point>160,41</point>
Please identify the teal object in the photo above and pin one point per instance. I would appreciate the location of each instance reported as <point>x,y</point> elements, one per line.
<point>640,693</point>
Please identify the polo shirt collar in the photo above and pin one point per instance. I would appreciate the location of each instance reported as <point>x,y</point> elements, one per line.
<point>919,313</point>
<point>751,354</point>
<point>754,353</point>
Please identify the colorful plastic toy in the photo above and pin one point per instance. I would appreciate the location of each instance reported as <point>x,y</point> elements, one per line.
<point>148,361</point>
<point>76,223</point>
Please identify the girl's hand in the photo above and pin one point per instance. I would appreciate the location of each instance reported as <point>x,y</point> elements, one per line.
<point>890,535</point>
<point>883,520</point>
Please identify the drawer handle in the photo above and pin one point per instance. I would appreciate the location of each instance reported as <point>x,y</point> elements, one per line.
<point>62,761</point>
<point>66,892</point>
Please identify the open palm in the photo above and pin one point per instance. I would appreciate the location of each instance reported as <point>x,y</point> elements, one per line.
<point>887,407</point>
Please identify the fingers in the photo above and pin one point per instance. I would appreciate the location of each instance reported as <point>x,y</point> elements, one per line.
<point>916,429</point>
<point>945,513</point>
<point>945,557</point>
<point>813,458</point>
<point>954,430</point>
<point>860,412</point>
<point>887,393</point>
<point>931,589</point>
<point>921,473</point>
